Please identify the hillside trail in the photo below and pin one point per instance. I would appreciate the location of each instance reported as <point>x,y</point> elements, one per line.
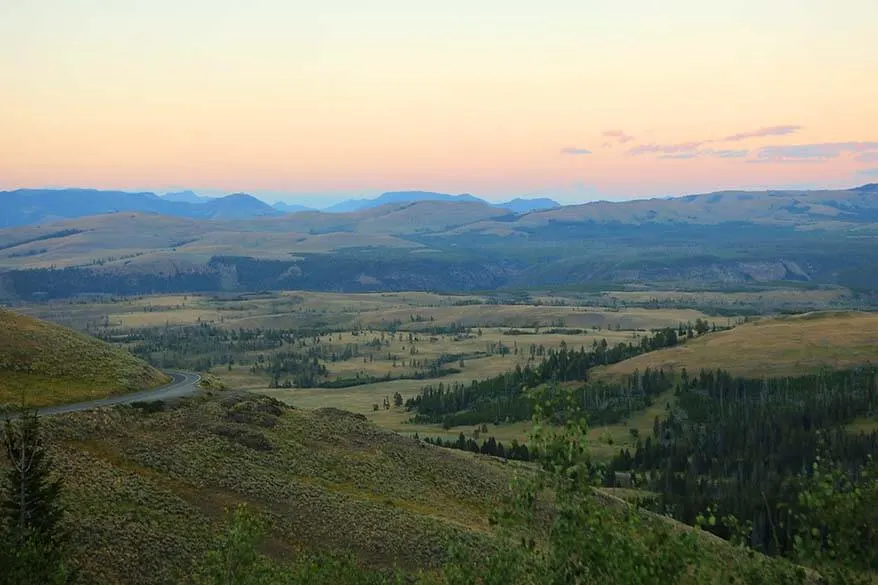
<point>183,384</point>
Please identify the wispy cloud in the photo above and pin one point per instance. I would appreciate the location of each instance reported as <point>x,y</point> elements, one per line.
<point>680,155</point>
<point>729,153</point>
<point>812,152</point>
<point>764,131</point>
<point>575,151</point>
<point>619,135</point>
<point>666,148</point>
<point>871,173</point>
<point>695,145</point>
<point>868,157</point>
<point>705,153</point>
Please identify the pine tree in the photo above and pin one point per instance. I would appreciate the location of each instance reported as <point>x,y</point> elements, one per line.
<point>34,540</point>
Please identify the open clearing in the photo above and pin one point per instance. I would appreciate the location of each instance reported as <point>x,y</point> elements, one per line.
<point>777,347</point>
<point>412,311</point>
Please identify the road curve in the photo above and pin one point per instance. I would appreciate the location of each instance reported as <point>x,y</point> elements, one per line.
<point>184,384</point>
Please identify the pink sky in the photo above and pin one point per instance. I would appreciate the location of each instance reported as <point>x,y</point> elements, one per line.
<point>498,99</point>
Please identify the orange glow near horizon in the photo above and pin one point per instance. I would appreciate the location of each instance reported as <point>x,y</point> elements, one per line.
<point>279,97</point>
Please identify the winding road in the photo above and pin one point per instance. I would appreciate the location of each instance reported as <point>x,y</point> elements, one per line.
<point>184,384</point>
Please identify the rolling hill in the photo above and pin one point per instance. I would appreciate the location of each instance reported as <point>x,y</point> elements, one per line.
<point>717,240</point>
<point>784,346</point>
<point>46,364</point>
<point>131,236</point>
<point>147,489</point>
<point>147,492</point>
<point>800,209</point>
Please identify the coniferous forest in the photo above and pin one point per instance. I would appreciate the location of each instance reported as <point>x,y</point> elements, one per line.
<point>741,448</point>
<point>506,397</point>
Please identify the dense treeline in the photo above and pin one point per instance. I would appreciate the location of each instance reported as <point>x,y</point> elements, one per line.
<point>198,347</point>
<point>605,403</point>
<point>489,446</point>
<point>506,398</point>
<point>41,238</point>
<point>734,445</point>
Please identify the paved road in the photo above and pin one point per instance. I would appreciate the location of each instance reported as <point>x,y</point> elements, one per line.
<point>184,384</point>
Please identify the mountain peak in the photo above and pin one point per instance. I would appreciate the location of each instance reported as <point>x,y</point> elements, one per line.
<point>186,196</point>
<point>240,197</point>
<point>517,205</point>
<point>239,205</point>
<point>521,205</point>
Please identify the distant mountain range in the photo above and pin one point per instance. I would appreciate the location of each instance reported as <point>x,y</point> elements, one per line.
<point>715,240</point>
<point>291,207</point>
<point>186,197</point>
<point>517,205</point>
<point>33,206</point>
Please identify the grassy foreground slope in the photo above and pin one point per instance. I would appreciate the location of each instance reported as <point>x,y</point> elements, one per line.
<point>146,492</point>
<point>48,364</point>
<point>784,346</point>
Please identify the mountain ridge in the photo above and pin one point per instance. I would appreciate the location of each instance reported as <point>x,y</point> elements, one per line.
<point>35,206</point>
<point>186,196</point>
<point>733,238</point>
<point>518,205</point>
<point>291,207</point>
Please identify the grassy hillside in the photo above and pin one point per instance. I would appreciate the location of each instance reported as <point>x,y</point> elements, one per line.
<point>136,242</point>
<point>801,208</point>
<point>147,491</point>
<point>776,347</point>
<point>48,364</point>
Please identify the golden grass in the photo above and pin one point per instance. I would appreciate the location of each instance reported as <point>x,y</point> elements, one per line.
<point>527,315</point>
<point>731,298</point>
<point>299,309</point>
<point>44,364</point>
<point>776,347</point>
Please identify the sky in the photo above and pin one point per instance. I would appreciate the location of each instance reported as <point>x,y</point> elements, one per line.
<point>317,101</point>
